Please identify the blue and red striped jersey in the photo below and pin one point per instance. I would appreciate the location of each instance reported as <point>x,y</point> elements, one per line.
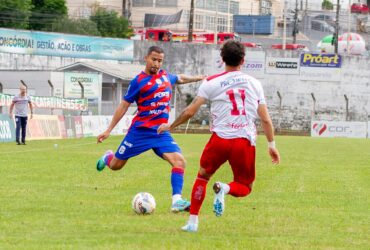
<point>152,93</point>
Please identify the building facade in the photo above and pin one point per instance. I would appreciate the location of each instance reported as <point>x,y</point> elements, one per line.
<point>208,14</point>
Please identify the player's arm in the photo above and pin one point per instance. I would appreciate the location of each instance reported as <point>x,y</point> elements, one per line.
<point>118,114</point>
<point>268,128</point>
<point>31,108</point>
<point>11,109</point>
<point>183,79</point>
<point>185,115</point>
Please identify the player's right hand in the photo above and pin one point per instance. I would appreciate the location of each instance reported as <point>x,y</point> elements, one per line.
<point>163,127</point>
<point>102,137</point>
<point>275,156</point>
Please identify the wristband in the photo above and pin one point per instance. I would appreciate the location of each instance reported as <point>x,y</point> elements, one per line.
<point>271,144</point>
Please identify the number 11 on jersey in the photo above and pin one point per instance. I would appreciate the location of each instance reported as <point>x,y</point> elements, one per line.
<point>232,93</point>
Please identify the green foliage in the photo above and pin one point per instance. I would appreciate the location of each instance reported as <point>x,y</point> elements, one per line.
<point>15,13</point>
<point>189,98</point>
<point>110,24</point>
<point>78,26</point>
<point>53,198</point>
<point>327,5</point>
<point>46,12</point>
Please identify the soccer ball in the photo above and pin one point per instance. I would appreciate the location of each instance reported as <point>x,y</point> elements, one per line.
<point>143,203</point>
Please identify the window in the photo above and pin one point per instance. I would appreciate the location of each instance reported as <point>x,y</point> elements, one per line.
<point>166,3</point>
<point>142,3</point>
<point>234,8</point>
<point>211,5</point>
<point>266,7</point>
<point>222,5</point>
<point>210,23</point>
<point>200,4</point>
<point>199,21</point>
<point>107,92</point>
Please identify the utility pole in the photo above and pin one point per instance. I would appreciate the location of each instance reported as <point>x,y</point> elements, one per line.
<point>284,28</point>
<point>295,26</point>
<point>335,37</point>
<point>191,21</point>
<point>124,13</point>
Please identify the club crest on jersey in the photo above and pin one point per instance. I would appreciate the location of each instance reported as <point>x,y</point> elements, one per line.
<point>159,82</point>
<point>122,149</point>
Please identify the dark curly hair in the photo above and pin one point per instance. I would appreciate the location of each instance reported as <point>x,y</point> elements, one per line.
<point>155,49</point>
<point>232,52</point>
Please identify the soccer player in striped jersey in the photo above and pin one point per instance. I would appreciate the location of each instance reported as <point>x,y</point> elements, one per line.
<point>152,91</point>
<point>237,99</point>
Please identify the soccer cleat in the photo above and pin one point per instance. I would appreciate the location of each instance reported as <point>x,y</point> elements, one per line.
<point>100,165</point>
<point>180,206</point>
<point>219,200</point>
<point>190,227</point>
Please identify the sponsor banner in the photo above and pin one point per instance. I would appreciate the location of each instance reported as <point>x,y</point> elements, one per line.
<point>320,67</point>
<point>44,127</point>
<point>64,45</point>
<point>49,102</point>
<point>289,66</point>
<point>90,126</point>
<point>320,74</point>
<point>155,20</point>
<point>7,129</point>
<point>63,130</point>
<point>254,64</point>
<point>321,60</point>
<point>78,127</point>
<point>338,129</point>
<point>91,82</point>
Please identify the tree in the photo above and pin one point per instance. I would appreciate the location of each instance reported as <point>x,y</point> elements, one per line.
<point>327,5</point>
<point>15,13</point>
<point>79,26</point>
<point>47,12</point>
<point>110,24</point>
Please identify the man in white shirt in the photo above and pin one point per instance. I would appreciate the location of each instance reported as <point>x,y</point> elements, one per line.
<point>237,99</point>
<point>20,102</point>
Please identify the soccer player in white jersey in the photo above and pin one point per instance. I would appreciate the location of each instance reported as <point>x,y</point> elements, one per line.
<point>237,99</point>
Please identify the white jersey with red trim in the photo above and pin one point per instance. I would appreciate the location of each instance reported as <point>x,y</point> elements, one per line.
<point>234,98</point>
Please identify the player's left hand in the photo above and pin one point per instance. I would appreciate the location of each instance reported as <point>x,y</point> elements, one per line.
<point>163,127</point>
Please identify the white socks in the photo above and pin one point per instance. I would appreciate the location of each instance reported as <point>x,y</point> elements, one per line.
<point>193,219</point>
<point>175,198</point>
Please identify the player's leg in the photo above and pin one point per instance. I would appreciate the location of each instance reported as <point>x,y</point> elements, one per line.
<point>213,156</point>
<point>242,161</point>
<point>23,127</point>
<point>133,144</point>
<point>17,129</point>
<point>166,147</point>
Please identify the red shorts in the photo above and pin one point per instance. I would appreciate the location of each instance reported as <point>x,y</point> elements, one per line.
<point>239,152</point>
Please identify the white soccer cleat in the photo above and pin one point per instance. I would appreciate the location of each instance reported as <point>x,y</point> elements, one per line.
<point>219,200</point>
<point>190,227</point>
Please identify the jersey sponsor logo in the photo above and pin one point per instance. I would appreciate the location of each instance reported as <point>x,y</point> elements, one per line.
<point>122,149</point>
<point>162,94</point>
<point>234,80</point>
<point>156,104</point>
<point>157,112</point>
<point>238,125</point>
<point>128,144</point>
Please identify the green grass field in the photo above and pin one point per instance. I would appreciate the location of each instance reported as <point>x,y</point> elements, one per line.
<point>53,198</point>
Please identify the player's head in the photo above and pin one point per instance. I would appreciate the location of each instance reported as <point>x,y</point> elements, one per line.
<point>154,59</point>
<point>232,53</point>
<point>22,89</point>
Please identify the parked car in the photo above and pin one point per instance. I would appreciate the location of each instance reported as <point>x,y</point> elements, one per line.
<point>322,26</point>
<point>326,18</point>
<point>359,8</point>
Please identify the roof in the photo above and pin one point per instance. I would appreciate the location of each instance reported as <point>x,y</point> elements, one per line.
<point>124,71</point>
